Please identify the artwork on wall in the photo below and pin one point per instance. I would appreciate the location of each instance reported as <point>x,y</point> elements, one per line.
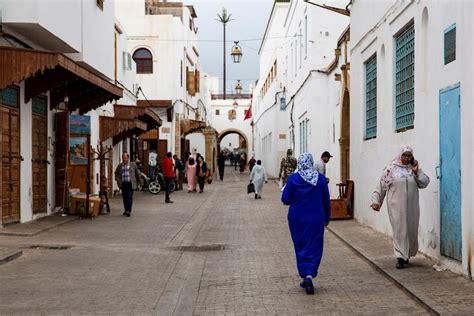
<point>79,151</point>
<point>80,124</point>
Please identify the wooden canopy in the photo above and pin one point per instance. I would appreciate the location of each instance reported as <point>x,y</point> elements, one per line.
<point>190,126</point>
<point>45,71</point>
<point>119,128</point>
<point>147,115</point>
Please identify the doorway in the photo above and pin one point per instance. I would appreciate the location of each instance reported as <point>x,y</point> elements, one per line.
<point>40,155</point>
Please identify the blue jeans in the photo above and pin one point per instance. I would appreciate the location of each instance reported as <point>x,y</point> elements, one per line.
<point>127,196</point>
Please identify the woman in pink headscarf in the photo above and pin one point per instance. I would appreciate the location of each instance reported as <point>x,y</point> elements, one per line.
<point>399,183</point>
<point>191,175</point>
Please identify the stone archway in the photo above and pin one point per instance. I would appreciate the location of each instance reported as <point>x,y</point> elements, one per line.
<point>224,133</point>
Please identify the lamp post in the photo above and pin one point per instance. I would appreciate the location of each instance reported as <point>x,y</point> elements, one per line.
<point>238,87</point>
<point>224,18</point>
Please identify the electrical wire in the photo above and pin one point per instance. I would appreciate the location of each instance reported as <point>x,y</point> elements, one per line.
<point>220,41</point>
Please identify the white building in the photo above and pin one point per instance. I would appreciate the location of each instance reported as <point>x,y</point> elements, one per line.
<point>57,59</point>
<point>293,69</point>
<point>162,39</point>
<point>412,85</point>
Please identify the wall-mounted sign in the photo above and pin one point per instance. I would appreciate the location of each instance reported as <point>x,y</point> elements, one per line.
<point>80,124</point>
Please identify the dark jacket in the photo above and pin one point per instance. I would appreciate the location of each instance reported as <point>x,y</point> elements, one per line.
<point>198,168</point>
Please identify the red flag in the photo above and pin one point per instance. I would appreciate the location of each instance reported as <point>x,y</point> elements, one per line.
<point>249,113</point>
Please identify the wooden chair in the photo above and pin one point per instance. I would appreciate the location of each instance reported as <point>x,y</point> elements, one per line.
<point>342,207</point>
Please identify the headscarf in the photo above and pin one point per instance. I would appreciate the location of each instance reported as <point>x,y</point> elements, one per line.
<point>306,170</point>
<point>396,170</point>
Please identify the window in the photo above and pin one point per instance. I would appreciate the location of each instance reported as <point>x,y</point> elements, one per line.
<point>181,73</point>
<point>144,61</point>
<point>40,105</point>
<point>450,44</point>
<point>10,97</point>
<point>100,4</point>
<point>371,98</point>
<point>218,112</point>
<point>305,36</point>
<point>304,136</point>
<point>405,79</point>
<point>301,47</point>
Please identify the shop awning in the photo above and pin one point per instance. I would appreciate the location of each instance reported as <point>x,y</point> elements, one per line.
<point>119,128</point>
<point>45,71</point>
<point>147,115</point>
<point>190,126</point>
<point>150,135</point>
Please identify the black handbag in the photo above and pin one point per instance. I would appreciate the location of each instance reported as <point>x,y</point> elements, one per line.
<point>250,188</point>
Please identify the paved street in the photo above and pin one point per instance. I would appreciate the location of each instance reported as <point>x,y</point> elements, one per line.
<point>221,252</point>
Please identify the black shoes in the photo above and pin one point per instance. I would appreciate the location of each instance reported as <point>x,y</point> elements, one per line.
<point>401,263</point>
<point>307,284</point>
<point>126,214</point>
<point>169,201</point>
<point>256,196</point>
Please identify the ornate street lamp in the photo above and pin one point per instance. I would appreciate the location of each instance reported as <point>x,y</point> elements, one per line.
<point>224,18</point>
<point>238,87</point>
<point>236,53</point>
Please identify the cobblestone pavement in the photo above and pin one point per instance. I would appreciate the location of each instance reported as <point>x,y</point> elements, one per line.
<point>221,252</point>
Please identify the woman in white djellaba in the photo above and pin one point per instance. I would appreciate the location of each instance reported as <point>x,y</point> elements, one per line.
<point>399,183</point>
<point>258,176</point>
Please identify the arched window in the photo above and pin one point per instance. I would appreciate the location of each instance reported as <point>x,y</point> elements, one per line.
<point>144,61</point>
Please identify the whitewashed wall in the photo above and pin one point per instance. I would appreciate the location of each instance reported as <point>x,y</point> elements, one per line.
<point>374,34</point>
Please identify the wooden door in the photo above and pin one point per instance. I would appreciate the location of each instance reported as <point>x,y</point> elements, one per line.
<point>450,165</point>
<point>162,150</point>
<point>10,117</point>
<point>40,155</point>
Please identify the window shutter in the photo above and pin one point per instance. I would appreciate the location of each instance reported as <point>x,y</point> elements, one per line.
<point>191,83</point>
<point>405,79</point>
<point>197,75</point>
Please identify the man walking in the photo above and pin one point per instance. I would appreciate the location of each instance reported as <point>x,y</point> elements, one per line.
<point>127,176</point>
<point>320,164</point>
<point>178,172</point>
<point>169,175</point>
<point>287,166</point>
<point>221,164</point>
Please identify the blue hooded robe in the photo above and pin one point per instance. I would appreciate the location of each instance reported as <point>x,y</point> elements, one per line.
<point>309,212</point>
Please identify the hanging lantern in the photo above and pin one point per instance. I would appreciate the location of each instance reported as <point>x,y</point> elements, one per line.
<point>235,105</point>
<point>236,53</point>
<point>238,87</point>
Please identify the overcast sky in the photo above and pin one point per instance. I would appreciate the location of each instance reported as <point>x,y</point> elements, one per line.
<point>250,19</point>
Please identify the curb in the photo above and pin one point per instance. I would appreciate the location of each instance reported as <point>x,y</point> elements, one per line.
<point>39,231</point>
<point>380,270</point>
<point>11,256</point>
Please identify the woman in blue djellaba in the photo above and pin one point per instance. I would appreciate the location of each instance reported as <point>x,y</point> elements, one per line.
<point>307,194</point>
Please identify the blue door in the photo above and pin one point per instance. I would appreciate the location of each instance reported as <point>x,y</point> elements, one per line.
<point>450,175</point>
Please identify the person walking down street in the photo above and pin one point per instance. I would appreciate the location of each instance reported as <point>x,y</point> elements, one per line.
<point>252,163</point>
<point>258,176</point>
<point>221,164</point>
<point>242,162</point>
<point>287,166</point>
<point>307,194</point>
<point>201,170</point>
<point>399,183</point>
<point>127,176</point>
<point>236,160</point>
<point>178,172</point>
<point>191,175</point>
<point>320,164</point>
<point>168,173</point>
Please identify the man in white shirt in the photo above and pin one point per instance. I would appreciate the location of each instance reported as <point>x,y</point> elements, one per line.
<point>320,164</point>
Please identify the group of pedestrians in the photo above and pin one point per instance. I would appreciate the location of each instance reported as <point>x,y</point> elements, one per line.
<point>194,171</point>
<point>306,193</point>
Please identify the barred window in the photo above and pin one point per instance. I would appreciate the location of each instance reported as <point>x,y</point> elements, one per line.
<point>371,98</point>
<point>450,44</point>
<point>405,79</point>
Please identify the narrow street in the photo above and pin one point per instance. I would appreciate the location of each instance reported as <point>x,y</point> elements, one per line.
<point>221,252</point>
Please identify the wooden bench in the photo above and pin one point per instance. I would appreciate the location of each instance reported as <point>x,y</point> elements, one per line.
<point>342,207</point>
